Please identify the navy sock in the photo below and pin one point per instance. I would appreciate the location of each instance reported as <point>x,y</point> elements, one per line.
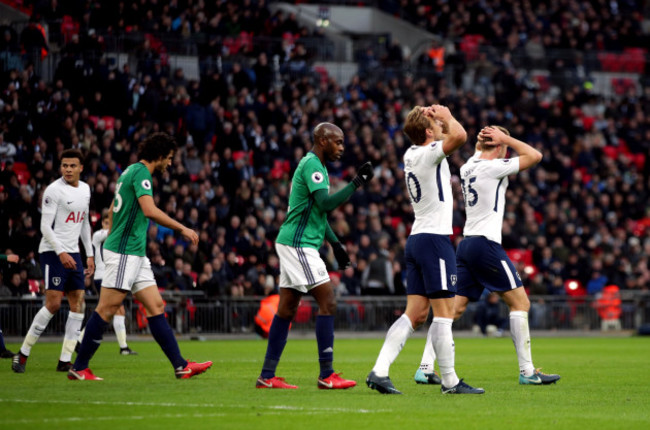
<point>2,342</point>
<point>325,340</point>
<point>277,340</point>
<point>92,339</point>
<point>164,335</point>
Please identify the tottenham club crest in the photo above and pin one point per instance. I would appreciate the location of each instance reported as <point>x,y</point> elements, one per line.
<point>56,281</point>
<point>453,280</point>
<point>317,177</point>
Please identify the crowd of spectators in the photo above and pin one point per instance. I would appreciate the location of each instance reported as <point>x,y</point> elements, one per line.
<point>581,214</point>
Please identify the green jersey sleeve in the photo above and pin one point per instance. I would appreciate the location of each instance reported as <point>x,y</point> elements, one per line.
<point>142,183</point>
<point>315,175</point>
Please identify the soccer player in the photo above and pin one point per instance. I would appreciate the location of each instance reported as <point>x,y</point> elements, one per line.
<point>64,220</point>
<point>430,258</point>
<point>482,262</point>
<point>119,326</point>
<point>301,268</point>
<point>127,266</point>
<point>4,352</point>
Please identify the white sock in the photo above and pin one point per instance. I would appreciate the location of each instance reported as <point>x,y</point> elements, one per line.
<point>443,345</point>
<point>396,337</point>
<point>81,335</point>
<point>521,338</point>
<point>429,355</point>
<point>72,329</point>
<point>120,330</point>
<point>41,320</point>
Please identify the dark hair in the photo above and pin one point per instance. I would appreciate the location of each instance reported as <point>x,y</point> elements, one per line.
<point>156,146</point>
<point>73,153</point>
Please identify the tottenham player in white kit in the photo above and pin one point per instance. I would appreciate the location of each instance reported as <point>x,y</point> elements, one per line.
<point>430,257</point>
<point>482,262</point>
<point>64,219</point>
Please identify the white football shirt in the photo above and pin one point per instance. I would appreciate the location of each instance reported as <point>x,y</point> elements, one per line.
<point>98,239</point>
<point>65,217</point>
<point>484,184</point>
<point>428,183</point>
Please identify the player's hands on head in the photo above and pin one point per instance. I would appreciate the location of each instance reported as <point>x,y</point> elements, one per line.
<point>364,174</point>
<point>341,255</point>
<point>190,235</point>
<point>492,134</point>
<point>438,112</point>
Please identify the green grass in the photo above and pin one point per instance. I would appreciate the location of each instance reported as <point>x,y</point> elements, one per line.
<point>605,385</point>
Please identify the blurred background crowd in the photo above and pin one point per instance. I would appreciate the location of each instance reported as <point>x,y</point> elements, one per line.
<point>245,120</point>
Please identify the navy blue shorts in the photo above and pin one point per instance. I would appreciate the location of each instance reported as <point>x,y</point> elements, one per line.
<point>430,266</point>
<point>482,263</point>
<point>57,277</point>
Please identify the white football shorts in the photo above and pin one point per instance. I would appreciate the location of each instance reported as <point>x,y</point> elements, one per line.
<point>301,268</point>
<point>127,272</point>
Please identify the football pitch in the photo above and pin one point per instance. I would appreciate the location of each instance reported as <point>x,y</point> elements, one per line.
<point>605,385</point>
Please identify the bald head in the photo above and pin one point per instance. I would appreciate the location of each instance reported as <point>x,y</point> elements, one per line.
<point>326,130</point>
<point>328,142</point>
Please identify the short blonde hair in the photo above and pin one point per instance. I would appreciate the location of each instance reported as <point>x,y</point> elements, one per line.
<point>416,124</point>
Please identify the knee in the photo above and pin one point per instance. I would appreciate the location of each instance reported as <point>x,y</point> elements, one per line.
<point>419,318</point>
<point>459,311</point>
<point>156,307</point>
<point>287,312</point>
<point>328,308</point>
<point>53,307</point>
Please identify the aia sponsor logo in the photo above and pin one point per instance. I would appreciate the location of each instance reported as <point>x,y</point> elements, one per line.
<point>75,217</point>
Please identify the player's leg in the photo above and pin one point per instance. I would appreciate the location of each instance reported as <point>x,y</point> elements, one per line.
<point>109,302</point>
<point>119,275</point>
<point>517,301</point>
<point>294,277</point>
<point>440,278</point>
<point>417,310</point>
<point>160,329</point>
<point>119,326</point>
<point>4,352</point>
<point>145,290</point>
<point>287,308</point>
<point>75,296</point>
<point>36,329</point>
<point>326,299</point>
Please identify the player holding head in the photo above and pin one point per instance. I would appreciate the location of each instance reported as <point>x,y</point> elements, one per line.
<point>119,325</point>
<point>301,268</point>
<point>64,220</point>
<point>4,352</point>
<point>127,266</point>
<point>430,258</point>
<point>482,262</point>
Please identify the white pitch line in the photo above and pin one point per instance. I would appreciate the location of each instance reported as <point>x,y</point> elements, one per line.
<point>198,405</point>
<point>109,418</point>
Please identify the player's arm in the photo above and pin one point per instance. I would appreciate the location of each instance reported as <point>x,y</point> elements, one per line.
<point>327,202</point>
<point>86,239</point>
<point>11,258</point>
<point>152,212</point>
<point>454,133</point>
<point>110,218</point>
<point>341,255</point>
<point>528,156</point>
<point>49,208</point>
